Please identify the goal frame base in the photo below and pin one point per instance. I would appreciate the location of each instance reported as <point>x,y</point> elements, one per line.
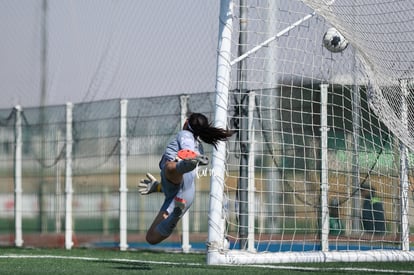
<point>238,257</point>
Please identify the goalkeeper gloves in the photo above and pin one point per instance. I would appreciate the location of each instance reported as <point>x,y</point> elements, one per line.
<point>148,186</point>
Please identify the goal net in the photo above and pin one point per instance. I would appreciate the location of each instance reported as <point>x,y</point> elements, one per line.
<point>319,167</point>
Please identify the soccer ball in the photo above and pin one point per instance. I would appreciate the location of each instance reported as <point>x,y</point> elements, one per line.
<point>334,41</point>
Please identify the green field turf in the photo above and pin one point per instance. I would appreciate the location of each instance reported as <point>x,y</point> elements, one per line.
<point>99,261</point>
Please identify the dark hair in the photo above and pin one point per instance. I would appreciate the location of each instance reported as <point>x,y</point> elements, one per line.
<point>202,128</point>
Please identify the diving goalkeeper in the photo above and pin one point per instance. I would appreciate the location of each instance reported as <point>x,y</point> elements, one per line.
<point>181,156</point>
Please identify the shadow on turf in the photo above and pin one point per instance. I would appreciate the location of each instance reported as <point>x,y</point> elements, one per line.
<point>126,266</point>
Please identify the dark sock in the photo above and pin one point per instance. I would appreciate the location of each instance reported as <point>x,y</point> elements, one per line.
<point>185,166</point>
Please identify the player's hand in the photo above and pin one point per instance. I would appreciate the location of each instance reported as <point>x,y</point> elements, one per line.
<point>149,185</point>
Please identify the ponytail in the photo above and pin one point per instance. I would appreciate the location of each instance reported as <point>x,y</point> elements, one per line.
<point>202,128</point>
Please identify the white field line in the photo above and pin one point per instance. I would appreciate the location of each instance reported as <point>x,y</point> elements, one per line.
<point>14,256</point>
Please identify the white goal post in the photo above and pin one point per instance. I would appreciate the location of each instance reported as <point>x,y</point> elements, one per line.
<point>319,169</point>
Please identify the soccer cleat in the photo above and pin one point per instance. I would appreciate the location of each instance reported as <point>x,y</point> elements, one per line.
<point>188,160</point>
<point>189,155</point>
<point>186,154</point>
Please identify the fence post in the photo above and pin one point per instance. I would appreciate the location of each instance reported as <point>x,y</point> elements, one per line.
<point>68,179</point>
<point>186,246</point>
<point>18,178</point>
<point>123,190</point>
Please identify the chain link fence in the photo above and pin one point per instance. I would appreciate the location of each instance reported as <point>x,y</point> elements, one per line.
<point>95,169</point>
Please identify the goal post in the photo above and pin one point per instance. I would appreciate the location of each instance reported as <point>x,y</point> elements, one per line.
<point>319,167</point>
<point>216,221</point>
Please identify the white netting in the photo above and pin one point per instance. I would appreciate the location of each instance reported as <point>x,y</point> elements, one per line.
<point>381,31</point>
<point>297,159</point>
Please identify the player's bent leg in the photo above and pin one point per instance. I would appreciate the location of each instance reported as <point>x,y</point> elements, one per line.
<point>166,227</point>
<point>172,174</point>
<point>153,236</point>
<point>164,224</point>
